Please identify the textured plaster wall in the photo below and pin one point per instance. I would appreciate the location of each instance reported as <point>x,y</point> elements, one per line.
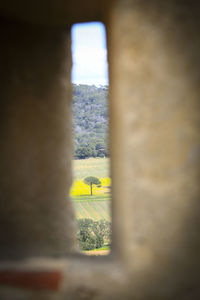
<point>35,157</point>
<point>155,148</point>
<point>155,76</point>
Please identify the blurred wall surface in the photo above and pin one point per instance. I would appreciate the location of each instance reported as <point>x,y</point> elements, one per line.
<point>154,67</point>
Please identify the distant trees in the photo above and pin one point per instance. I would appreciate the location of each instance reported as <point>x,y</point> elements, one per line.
<point>92,180</point>
<point>90,121</point>
<point>83,151</point>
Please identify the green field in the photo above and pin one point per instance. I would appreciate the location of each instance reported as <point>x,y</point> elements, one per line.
<point>98,167</point>
<point>94,207</point>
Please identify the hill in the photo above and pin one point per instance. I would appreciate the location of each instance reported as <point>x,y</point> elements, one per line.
<point>90,121</point>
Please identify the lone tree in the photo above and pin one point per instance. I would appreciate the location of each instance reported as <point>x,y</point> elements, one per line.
<point>92,180</point>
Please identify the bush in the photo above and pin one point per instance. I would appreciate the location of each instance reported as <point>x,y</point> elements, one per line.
<point>92,234</point>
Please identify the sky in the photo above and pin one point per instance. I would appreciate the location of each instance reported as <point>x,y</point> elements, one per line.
<point>89,54</point>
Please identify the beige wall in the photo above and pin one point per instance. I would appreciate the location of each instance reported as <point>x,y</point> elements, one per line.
<point>155,150</point>
<point>35,129</point>
<point>154,59</point>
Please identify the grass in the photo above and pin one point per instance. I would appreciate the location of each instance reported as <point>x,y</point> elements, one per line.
<point>98,167</point>
<point>102,248</point>
<point>105,250</point>
<point>97,253</point>
<point>95,209</point>
<point>93,198</point>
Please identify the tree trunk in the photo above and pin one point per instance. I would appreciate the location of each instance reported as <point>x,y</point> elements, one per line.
<point>91,188</point>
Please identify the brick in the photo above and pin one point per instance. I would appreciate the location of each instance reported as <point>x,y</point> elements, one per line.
<point>37,280</point>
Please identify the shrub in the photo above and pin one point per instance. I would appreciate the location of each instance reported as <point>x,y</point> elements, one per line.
<point>92,234</point>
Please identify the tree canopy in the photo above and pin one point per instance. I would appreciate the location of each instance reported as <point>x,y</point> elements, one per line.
<point>92,180</point>
<point>90,121</point>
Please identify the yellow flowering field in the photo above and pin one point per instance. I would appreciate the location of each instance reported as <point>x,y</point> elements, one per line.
<point>79,188</point>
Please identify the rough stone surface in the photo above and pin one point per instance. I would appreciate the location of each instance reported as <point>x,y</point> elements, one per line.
<point>35,158</point>
<point>155,77</point>
<point>55,13</point>
<point>155,147</point>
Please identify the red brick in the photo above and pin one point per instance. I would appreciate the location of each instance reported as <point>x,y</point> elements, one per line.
<point>37,280</point>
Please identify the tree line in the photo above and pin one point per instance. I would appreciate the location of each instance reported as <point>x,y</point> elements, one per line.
<point>90,121</point>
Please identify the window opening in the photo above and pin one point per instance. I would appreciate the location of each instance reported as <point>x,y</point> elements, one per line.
<point>91,188</point>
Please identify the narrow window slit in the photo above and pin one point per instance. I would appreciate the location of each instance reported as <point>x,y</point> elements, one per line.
<point>91,188</point>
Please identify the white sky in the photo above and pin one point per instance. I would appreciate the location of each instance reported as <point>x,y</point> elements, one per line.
<point>89,54</point>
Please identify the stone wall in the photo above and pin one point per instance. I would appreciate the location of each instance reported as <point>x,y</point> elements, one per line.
<point>155,113</point>
<point>155,150</point>
<point>35,141</point>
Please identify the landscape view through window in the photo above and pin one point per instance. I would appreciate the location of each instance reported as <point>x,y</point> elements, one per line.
<point>91,189</point>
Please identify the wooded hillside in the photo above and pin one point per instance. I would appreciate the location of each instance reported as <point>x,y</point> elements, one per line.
<point>90,121</point>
